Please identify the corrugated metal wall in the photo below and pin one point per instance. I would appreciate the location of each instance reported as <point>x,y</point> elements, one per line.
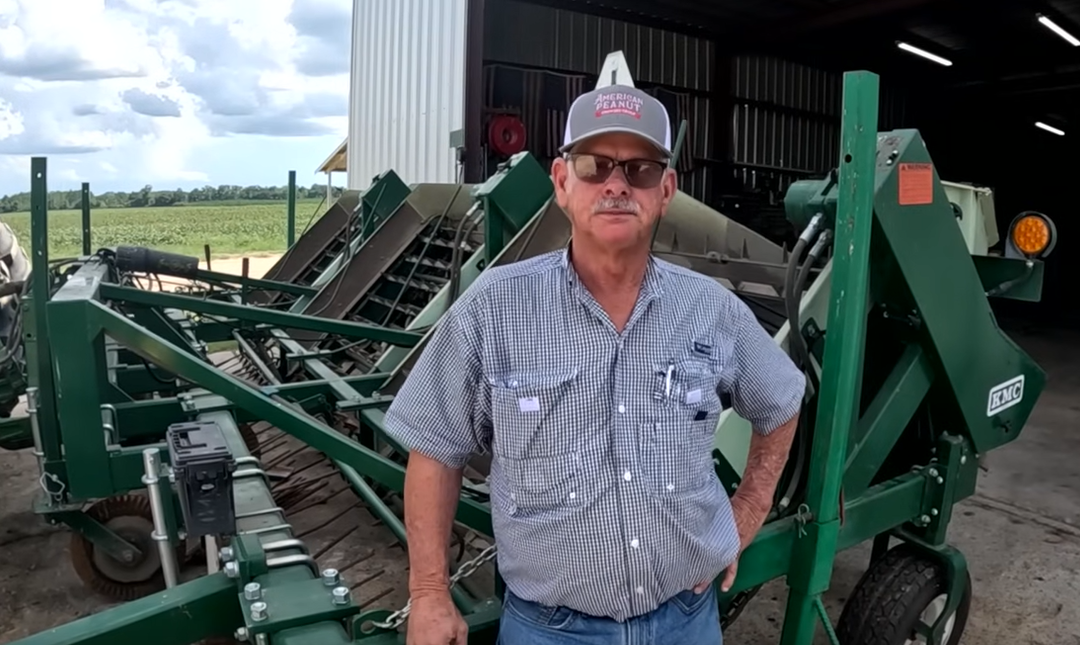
<point>526,46</point>
<point>787,119</point>
<point>407,89</point>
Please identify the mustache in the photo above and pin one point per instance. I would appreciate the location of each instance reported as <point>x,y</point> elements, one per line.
<point>617,204</point>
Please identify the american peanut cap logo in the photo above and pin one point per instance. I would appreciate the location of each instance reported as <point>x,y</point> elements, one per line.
<point>618,108</point>
<point>610,103</point>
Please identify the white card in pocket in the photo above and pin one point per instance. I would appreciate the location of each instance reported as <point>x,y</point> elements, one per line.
<point>529,404</point>
<point>693,396</point>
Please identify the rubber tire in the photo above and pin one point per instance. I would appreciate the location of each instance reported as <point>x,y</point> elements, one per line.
<point>82,551</point>
<point>888,601</point>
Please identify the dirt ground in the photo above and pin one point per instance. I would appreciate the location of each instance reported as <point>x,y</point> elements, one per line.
<point>258,265</point>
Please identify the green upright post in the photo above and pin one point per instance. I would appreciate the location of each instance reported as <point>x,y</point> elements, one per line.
<point>86,218</point>
<point>841,378</point>
<point>36,336</point>
<point>291,216</point>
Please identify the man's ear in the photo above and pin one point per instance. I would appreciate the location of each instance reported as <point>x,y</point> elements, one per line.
<point>671,186</point>
<point>560,173</point>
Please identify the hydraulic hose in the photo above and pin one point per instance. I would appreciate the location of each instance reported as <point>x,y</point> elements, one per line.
<point>793,293</point>
<point>822,243</point>
<point>795,281</point>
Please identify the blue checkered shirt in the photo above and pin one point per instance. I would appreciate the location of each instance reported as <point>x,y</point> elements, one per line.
<point>604,497</point>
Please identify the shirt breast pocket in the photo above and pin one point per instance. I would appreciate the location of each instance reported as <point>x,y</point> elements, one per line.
<point>677,442</point>
<point>536,440</point>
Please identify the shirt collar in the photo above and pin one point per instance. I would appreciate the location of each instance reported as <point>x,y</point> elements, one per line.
<point>652,286</point>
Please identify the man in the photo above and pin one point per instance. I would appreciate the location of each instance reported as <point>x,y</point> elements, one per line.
<point>591,374</point>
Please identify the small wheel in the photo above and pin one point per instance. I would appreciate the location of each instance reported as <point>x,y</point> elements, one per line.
<point>129,517</point>
<point>901,589</point>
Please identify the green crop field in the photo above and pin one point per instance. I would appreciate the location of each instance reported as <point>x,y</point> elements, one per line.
<point>229,229</point>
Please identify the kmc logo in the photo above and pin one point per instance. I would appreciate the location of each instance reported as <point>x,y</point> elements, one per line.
<point>1005,395</point>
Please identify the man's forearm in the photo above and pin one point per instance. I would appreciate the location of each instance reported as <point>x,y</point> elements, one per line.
<point>431,497</point>
<point>764,465</point>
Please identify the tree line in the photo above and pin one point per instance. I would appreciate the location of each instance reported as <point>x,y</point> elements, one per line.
<point>147,196</point>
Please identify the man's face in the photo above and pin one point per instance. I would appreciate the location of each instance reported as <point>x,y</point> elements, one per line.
<point>617,211</point>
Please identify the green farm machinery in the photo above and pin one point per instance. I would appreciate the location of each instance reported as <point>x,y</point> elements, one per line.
<point>217,447</point>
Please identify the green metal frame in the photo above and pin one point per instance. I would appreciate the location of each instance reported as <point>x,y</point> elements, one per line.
<point>897,422</point>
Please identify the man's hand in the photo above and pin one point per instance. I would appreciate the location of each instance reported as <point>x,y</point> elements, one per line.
<point>434,620</point>
<point>749,518</point>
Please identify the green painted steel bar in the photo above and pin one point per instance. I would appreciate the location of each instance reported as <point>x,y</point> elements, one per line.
<point>483,627</point>
<point>291,589</point>
<point>39,354</point>
<point>79,347</point>
<point>185,614</point>
<point>290,215</point>
<point>254,283</point>
<point>86,218</point>
<point>142,419</point>
<point>364,384</point>
<point>315,434</point>
<point>886,419</point>
<point>841,379</point>
<point>317,368</point>
<point>885,506</point>
<point>257,315</point>
<point>394,523</point>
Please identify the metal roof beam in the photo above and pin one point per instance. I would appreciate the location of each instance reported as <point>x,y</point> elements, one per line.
<point>644,12</point>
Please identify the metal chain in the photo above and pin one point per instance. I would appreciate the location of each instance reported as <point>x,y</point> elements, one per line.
<point>398,618</point>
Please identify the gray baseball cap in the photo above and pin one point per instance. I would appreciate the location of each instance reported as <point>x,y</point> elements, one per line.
<point>618,108</point>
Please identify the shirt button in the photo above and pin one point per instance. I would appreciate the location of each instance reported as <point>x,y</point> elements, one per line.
<point>622,409</point>
<point>627,476</point>
<point>634,543</point>
<point>573,495</point>
<point>671,486</point>
<point>640,590</point>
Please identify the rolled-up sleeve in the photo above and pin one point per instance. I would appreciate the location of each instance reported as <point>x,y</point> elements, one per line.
<point>441,410</point>
<point>766,387</point>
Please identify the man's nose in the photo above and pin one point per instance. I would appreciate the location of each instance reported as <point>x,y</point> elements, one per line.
<point>617,183</point>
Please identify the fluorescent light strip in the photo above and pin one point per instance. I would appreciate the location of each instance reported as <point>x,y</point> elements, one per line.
<point>925,54</point>
<point>1049,128</point>
<point>1053,26</point>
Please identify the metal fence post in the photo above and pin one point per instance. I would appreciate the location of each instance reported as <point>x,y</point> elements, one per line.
<point>291,214</point>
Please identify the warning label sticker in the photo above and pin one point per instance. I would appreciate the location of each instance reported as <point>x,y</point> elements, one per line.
<point>916,184</point>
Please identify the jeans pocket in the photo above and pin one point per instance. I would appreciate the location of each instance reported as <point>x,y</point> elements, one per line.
<point>537,615</point>
<point>691,603</point>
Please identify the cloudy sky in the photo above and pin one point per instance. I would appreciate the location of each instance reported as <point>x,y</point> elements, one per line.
<point>172,93</point>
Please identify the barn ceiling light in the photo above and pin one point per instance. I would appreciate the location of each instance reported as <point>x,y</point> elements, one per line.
<point>1049,128</point>
<point>925,54</point>
<point>1054,27</point>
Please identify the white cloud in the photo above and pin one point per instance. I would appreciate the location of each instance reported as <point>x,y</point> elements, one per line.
<point>171,92</point>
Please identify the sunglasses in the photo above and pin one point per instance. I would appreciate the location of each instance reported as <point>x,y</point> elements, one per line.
<point>595,169</point>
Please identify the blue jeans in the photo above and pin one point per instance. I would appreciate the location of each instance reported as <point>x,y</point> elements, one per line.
<point>686,619</point>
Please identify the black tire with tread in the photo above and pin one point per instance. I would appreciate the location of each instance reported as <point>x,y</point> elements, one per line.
<point>888,600</point>
<point>82,551</point>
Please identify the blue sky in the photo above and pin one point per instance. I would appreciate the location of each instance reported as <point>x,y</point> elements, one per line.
<point>171,93</point>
